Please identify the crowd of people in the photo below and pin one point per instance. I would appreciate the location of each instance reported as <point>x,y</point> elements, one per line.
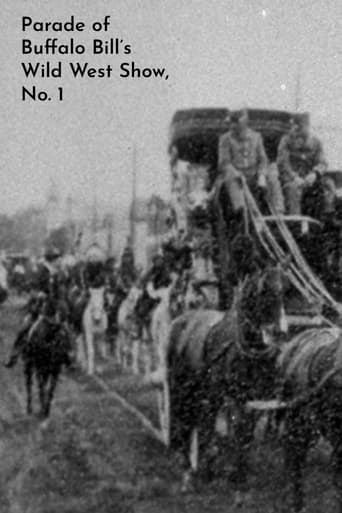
<point>59,286</point>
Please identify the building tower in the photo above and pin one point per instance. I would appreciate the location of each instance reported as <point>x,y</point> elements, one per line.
<point>53,212</point>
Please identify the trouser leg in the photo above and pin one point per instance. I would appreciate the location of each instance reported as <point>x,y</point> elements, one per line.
<point>329,195</point>
<point>274,191</point>
<point>293,198</point>
<point>236,194</point>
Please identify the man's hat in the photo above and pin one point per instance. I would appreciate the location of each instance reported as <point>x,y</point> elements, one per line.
<point>300,120</point>
<point>52,253</point>
<point>95,253</point>
<point>236,115</point>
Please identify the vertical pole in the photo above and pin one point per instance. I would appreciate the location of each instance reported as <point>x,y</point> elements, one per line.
<point>94,222</point>
<point>110,224</point>
<point>134,197</point>
<point>298,88</point>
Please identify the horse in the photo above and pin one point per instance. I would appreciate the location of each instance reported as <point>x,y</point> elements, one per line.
<point>310,384</point>
<point>94,323</point>
<point>45,353</point>
<point>128,330</point>
<point>214,357</point>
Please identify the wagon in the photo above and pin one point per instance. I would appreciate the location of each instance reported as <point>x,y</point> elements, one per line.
<point>193,144</point>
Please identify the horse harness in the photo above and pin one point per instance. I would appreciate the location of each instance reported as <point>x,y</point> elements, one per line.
<point>239,325</point>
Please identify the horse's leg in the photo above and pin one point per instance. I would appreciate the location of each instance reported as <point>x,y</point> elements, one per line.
<point>244,435</point>
<point>126,348</point>
<point>89,340</point>
<point>337,468</point>
<point>135,355</point>
<point>42,381</point>
<point>297,436</point>
<point>51,392</point>
<point>155,349</point>
<point>206,433</point>
<point>157,344</point>
<point>163,340</point>
<point>103,343</point>
<point>81,357</point>
<point>118,347</point>
<point>145,350</point>
<point>123,343</point>
<point>195,438</point>
<point>122,348</point>
<point>28,380</point>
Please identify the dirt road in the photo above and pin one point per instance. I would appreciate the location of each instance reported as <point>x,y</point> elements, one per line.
<point>95,457</point>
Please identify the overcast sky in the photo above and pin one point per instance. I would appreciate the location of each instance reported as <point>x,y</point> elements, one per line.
<point>223,53</point>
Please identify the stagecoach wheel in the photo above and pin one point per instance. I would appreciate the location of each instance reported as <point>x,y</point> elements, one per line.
<point>194,450</point>
<point>164,409</point>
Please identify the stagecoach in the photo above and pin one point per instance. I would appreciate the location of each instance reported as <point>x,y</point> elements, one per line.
<point>193,145</point>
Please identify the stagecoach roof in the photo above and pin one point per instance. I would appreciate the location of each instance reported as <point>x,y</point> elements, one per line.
<point>195,132</point>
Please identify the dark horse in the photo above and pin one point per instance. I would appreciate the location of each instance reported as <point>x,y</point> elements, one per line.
<point>46,351</point>
<point>214,357</point>
<point>310,367</point>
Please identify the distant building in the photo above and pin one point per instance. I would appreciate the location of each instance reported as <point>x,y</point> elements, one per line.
<point>149,223</point>
<point>54,211</point>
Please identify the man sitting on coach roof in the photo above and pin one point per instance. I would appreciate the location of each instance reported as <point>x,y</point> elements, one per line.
<point>242,156</point>
<point>300,156</point>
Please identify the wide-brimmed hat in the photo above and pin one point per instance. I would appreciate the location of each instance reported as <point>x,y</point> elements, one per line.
<point>236,115</point>
<point>300,120</point>
<point>95,253</point>
<point>52,253</point>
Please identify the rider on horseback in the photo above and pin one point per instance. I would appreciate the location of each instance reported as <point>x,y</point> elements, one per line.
<point>127,271</point>
<point>94,271</point>
<point>156,277</point>
<point>92,275</point>
<point>42,300</point>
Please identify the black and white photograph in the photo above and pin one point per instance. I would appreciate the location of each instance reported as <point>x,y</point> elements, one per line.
<point>171,256</point>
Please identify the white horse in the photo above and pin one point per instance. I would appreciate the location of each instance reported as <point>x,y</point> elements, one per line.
<point>160,324</point>
<point>126,330</point>
<point>3,283</point>
<point>94,323</point>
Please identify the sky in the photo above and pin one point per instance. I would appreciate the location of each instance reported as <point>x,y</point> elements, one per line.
<point>222,53</point>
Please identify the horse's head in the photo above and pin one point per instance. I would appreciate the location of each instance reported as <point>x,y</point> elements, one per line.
<point>198,206</point>
<point>270,295</point>
<point>262,303</point>
<point>96,303</point>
